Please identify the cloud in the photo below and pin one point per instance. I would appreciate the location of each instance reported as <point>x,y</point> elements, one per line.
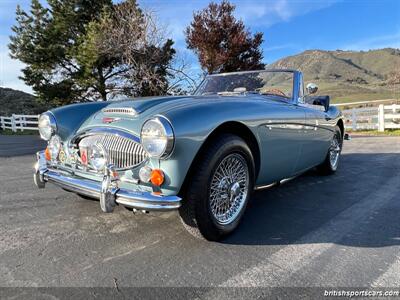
<point>7,10</point>
<point>269,12</point>
<point>177,15</point>
<point>384,41</point>
<point>10,69</point>
<point>265,13</point>
<point>258,15</point>
<point>279,47</point>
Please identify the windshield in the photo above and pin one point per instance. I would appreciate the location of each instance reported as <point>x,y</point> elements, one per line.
<point>268,82</point>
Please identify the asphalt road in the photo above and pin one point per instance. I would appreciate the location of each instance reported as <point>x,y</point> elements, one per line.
<point>335,231</point>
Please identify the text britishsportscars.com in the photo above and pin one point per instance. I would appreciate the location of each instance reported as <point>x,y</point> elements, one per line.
<point>362,293</point>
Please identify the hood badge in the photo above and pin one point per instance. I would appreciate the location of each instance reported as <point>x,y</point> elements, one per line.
<point>108,120</point>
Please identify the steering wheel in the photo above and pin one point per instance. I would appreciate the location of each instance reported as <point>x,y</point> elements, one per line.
<point>275,92</point>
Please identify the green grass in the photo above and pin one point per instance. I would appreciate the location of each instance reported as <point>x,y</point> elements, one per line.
<point>388,132</point>
<point>25,132</point>
<point>342,93</point>
<point>363,97</point>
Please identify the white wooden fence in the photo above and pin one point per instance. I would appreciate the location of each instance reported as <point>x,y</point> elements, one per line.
<point>373,118</point>
<point>19,122</point>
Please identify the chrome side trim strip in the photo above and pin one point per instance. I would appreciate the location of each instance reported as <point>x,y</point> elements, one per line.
<point>262,187</point>
<point>279,182</point>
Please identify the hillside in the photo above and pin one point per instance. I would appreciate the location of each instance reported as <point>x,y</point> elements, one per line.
<point>17,102</point>
<point>349,75</point>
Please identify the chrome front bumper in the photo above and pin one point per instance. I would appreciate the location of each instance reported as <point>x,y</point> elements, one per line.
<point>107,190</point>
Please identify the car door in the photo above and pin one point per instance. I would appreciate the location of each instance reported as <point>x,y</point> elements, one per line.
<point>317,136</point>
<point>307,132</point>
<point>311,150</point>
<point>281,137</point>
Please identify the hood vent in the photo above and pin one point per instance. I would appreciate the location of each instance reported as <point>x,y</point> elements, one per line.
<point>127,111</point>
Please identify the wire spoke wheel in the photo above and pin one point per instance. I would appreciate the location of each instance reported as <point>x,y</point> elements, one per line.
<point>229,188</point>
<point>334,151</point>
<point>220,188</point>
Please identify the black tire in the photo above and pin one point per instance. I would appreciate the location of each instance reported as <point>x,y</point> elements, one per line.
<point>327,167</point>
<point>196,213</point>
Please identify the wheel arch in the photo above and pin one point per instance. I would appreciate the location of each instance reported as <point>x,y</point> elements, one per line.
<point>341,126</point>
<point>232,127</point>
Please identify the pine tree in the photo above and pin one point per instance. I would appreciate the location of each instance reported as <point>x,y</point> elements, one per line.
<point>47,41</point>
<point>67,53</point>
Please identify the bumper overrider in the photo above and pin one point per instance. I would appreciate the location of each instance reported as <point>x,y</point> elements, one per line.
<point>107,191</point>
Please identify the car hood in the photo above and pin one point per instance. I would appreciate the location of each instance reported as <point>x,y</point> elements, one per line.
<point>141,105</point>
<point>148,105</point>
<point>114,114</point>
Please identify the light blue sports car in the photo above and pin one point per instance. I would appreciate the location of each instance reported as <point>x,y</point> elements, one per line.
<point>203,154</point>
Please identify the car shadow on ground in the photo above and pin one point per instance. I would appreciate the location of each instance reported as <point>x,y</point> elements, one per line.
<point>286,213</point>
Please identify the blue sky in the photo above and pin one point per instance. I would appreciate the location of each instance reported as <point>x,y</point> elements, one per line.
<point>289,26</point>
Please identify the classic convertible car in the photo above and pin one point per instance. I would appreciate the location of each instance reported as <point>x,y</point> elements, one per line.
<point>202,154</point>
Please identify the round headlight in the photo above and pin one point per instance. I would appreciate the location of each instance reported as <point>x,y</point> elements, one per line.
<point>157,137</point>
<point>54,146</point>
<point>98,158</point>
<point>47,125</point>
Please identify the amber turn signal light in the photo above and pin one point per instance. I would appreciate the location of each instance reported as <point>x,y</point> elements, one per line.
<point>157,177</point>
<point>47,154</point>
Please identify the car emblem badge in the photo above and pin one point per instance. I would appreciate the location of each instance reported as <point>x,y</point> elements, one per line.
<point>62,156</point>
<point>108,120</point>
<point>73,158</point>
<point>84,156</point>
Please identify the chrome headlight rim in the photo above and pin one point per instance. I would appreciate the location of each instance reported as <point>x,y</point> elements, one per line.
<point>168,133</point>
<point>49,120</point>
<point>92,160</point>
<point>55,146</point>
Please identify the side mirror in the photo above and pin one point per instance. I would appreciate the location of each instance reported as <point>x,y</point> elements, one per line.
<point>312,88</point>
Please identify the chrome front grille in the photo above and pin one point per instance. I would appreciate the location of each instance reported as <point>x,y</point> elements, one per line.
<point>121,151</point>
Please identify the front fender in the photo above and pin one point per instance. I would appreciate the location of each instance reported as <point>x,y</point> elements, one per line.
<point>70,117</point>
<point>192,127</point>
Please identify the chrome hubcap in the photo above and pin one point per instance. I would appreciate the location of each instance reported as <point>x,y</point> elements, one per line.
<point>334,152</point>
<point>229,188</point>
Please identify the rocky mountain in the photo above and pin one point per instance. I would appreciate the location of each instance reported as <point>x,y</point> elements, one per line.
<point>349,75</point>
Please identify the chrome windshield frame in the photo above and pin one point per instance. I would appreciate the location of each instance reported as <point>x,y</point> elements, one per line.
<point>296,80</point>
